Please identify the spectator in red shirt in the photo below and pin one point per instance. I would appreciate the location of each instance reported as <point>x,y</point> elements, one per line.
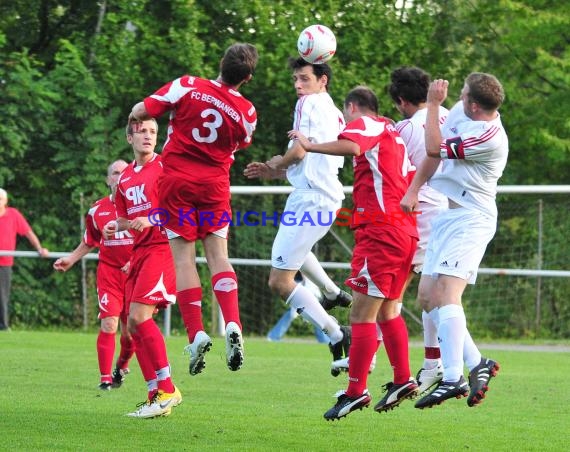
<point>12,224</point>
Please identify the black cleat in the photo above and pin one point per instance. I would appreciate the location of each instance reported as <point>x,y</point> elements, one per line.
<point>105,386</point>
<point>396,394</point>
<point>479,380</point>
<point>341,348</point>
<point>119,376</point>
<point>443,391</point>
<point>343,299</point>
<point>346,405</point>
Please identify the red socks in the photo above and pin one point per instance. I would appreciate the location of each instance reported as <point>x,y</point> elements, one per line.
<point>155,349</point>
<point>362,348</point>
<point>190,305</point>
<point>105,355</point>
<point>126,353</point>
<point>395,334</point>
<point>225,288</point>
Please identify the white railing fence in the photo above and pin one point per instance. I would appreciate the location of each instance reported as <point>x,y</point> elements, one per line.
<point>529,253</point>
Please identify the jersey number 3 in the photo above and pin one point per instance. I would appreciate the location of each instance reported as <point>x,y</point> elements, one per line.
<point>211,126</point>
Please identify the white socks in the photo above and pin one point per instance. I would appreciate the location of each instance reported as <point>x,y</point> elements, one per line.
<point>430,328</point>
<point>316,273</point>
<point>430,336</point>
<point>304,302</point>
<point>452,331</point>
<point>471,354</point>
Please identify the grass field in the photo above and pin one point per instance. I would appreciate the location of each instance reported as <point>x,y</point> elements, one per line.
<point>50,401</point>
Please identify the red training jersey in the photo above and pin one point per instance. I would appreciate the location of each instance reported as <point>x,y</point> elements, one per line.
<point>209,122</point>
<point>137,196</point>
<point>115,251</point>
<point>12,224</point>
<point>381,176</point>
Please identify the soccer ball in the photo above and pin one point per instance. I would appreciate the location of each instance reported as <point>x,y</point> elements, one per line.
<point>316,44</point>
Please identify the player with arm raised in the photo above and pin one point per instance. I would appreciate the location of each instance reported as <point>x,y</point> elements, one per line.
<point>474,152</point>
<point>209,121</point>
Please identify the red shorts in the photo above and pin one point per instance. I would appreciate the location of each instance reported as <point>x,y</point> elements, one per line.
<point>195,209</point>
<point>110,290</point>
<point>152,277</point>
<point>381,260</point>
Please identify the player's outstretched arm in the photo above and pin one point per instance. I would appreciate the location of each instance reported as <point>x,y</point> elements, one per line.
<point>65,263</point>
<point>340,147</point>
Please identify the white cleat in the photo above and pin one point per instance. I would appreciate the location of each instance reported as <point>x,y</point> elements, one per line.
<point>341,365</point>
<point>197,350</point>
<point>427,378</point>
<point>160,405</point>
<point>148,410</point>
<point>234,346</point>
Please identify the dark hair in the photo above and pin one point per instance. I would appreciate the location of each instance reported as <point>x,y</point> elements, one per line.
<point>486,90</point>
<point>238,63</point>
<point>410,84</point>
<point>318,69</point>
<point>363,97</point>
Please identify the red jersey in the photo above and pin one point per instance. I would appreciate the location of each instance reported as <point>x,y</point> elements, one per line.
<point>12,224</point>
<point>381,176</point>
<point>115,251</point>
<point>137,196</point>
<point>209,122</point>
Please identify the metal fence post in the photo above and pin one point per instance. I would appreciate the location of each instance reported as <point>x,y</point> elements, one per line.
<point>539,265</point>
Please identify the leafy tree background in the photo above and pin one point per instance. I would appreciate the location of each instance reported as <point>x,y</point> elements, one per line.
<point>71,71</point>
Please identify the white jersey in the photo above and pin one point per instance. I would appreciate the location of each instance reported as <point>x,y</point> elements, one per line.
<point>475,155</point>
<point>412,130</point>
<point>317,117</point>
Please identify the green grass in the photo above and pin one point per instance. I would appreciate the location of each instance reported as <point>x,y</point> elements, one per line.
<point>49,401</point>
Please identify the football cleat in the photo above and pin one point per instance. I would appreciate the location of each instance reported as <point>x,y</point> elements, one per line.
<point>396,394</point>
<point>340,349</point>
<point>341,365</point>
<point>427,378</point>
<point>346,405</point>
<point>160,405</point>
<point>443,391</point>
<point>197,350</point>
<point>343,299</point>
<point>234,346</point>
<point>105,386</point>
<point>119,376</point>
<point>479,380</point>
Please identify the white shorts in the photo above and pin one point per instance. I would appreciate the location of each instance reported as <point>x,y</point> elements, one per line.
<point>307,217</point>
<point>458,240</point>
<point>424,222</point>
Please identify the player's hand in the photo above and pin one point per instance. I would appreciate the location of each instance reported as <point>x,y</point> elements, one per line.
<point>140,223</point>
<point>257,170</point>
<point>409,202</point>
<point>437,91</point>
<point>125,268</point>
<point>43,252</point>
<point>302,139</point>
<point>62,264</point>
<point>110,228</point>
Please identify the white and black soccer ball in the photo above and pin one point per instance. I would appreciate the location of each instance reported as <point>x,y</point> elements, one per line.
<point>316,44</point>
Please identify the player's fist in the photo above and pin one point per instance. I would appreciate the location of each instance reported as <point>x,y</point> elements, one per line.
<point>110,228</point>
